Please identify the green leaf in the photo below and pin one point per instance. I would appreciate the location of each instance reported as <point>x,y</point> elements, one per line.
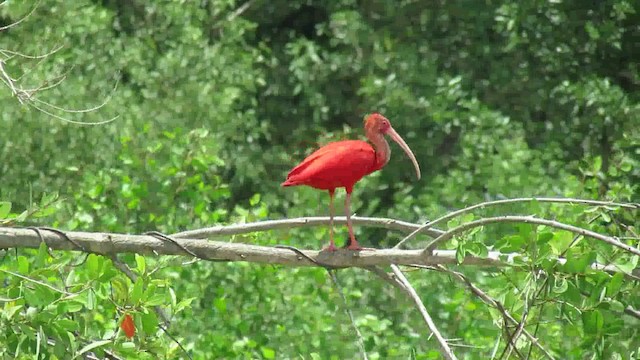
<point>560,285</point>
<point>545,237</point>
<point>93,265</point>
<point>67,324</point>
<point>140,264</point>
<point>73,306</point>
<point>5,209</point>
<point>460,254</point>
<point>91,346</point>
<point>156,299</point>
<point>23,265</point>
<point>592,321</point>
<point>465,218</point>
<point>119,285</point>
<point>255,199</point>
<point>91,300</point>
<point>578,263</point>
<point>136,292</point>
<point>534,207</point>
<point>510,243</point>
<point>597,164</point>
<point>614,284</point>
<point>627,263</point>
<point>268,353</point>
<point>560,241</point>
<point>150,322</point>
<point>526,231</point>
<point>220,304</point>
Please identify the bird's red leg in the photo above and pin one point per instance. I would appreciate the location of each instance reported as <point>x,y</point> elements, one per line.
<point>347,208</point>
<point>332,245</point>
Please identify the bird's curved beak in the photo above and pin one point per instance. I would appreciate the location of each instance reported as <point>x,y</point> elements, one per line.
<point>397,138</point>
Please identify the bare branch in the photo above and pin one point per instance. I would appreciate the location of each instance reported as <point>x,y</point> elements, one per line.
<point>73,121</point>
<point>238,229</point>
<point>530,220</point>
<point>493,303</point>
<point>239,10</point>
<point>76,111</point>
<point>446,350</point>
<point>21,19</point>
<point>109,244</point>
<point>483,205</point>
<point>10,53</point>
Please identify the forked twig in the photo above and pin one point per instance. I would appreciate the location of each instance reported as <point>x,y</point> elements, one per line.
<point>493,303</point>
<point>530,220</point>
<point>16,23</point>
<point>483,205</point>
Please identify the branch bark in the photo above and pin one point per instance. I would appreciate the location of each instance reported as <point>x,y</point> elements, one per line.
<point>110,244</point>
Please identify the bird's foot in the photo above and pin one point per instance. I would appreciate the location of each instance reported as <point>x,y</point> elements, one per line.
<point>355,246</point>
<point>331,248</point>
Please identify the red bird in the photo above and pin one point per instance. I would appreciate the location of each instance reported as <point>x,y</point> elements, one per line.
<point>344,163</point>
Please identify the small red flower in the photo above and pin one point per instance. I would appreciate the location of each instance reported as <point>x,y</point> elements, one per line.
<point>128,326</point>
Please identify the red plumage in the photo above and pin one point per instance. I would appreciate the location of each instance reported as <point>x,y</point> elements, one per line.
<point>338,164</point>
<point>344,163</point>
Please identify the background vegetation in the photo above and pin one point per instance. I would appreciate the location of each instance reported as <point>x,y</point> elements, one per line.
<point>217,99</point>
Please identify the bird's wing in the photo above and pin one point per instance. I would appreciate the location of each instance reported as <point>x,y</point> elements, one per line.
<point>342,159</point>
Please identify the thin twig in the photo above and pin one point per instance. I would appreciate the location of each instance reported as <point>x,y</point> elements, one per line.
<point>529,220</point>
<point>164,329</point>
<point>493,303</point>
<point>21,19</point>
<point>483,205</point>
<point>446,350</point>
<point>238,229</point>
<point>26,278</point>
<point>240,10</point>
<point>334,278</point>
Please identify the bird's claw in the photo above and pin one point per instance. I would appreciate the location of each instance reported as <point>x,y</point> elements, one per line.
<point>331,248</point>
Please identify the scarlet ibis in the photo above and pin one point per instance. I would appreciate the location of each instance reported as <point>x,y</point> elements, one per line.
<point>344,163</point>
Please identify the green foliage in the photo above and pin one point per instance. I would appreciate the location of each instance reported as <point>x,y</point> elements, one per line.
<point>217,100</point>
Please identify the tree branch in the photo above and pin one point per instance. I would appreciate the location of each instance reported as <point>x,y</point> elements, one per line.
<point>110,244</point>
<point>451,215</point>
<point>238,229</point>
<point>530,220</point>
<point>446,350</point>
<point>493,303</point>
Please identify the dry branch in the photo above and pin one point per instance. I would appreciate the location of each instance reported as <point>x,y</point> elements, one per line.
<point>238,229</point>
<point>444,347</point>
<point>483,205</point>
<point>109,244</point>
<point>530,220</point>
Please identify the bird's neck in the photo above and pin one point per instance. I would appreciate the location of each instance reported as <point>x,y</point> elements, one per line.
<point>381,146</point>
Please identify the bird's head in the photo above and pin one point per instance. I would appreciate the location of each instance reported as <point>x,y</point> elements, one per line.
<point>375,125</point>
